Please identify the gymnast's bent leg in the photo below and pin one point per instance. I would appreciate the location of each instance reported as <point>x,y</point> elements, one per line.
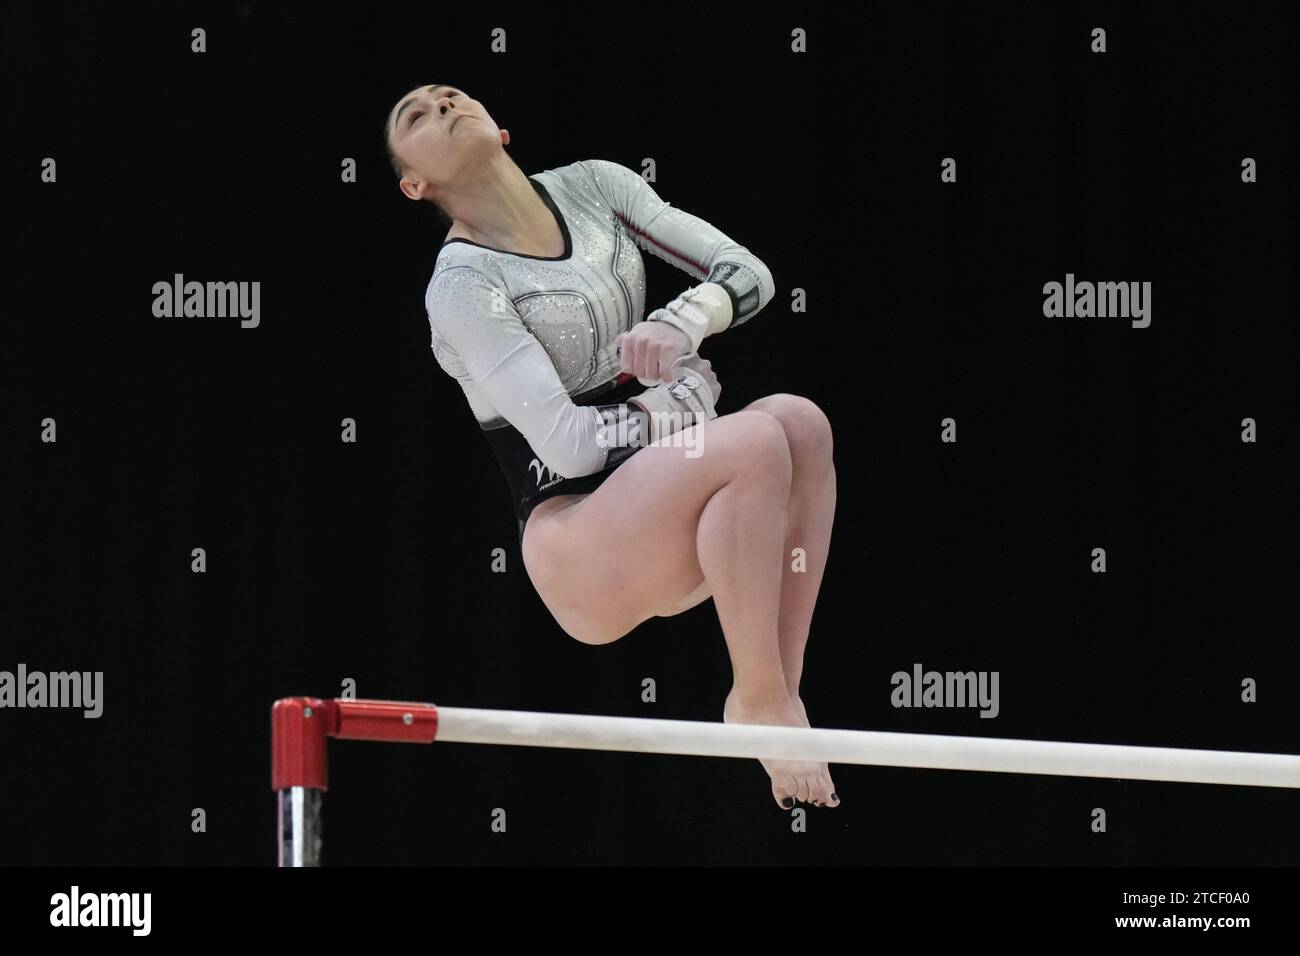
<point>811,514</point>
<point>664,525</point>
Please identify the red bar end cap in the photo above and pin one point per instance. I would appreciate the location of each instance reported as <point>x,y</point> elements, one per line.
<point>300,727</point>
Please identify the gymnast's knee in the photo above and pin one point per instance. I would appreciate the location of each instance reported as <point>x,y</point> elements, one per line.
<point>758,445</point>
<point>806,426</point>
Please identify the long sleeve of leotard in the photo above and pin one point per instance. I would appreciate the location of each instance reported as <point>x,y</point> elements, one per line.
<point>688,242</point>
<point>511,370</point>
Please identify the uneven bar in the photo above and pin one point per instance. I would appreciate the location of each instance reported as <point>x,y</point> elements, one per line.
<point>519,728</point>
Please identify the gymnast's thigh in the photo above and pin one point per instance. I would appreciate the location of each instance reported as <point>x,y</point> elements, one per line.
<point>627,551</point>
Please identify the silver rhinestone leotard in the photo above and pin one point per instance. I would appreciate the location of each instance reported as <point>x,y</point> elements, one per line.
<point>530,339</point>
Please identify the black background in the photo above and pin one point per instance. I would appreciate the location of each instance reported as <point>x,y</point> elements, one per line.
<point>372,562</point>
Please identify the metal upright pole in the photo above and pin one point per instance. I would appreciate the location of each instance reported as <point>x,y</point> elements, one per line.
<point>300,730</point>
<point>299,776</point>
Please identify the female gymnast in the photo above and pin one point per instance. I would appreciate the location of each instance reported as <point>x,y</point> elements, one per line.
<point>605,425</point>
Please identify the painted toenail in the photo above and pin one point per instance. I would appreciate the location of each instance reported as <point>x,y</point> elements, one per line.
<point>788,802</point>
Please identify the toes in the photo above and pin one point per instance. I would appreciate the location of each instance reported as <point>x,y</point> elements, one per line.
<point>785,791</point>
<point>822,790</point>
<point>812,785</point>
<point>808,787</point>
<point>828,785</point>
<point>805,787</point>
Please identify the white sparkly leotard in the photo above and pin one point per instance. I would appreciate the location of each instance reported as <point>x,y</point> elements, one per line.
<point>530,339</point>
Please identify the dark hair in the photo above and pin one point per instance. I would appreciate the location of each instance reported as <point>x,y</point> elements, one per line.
<point>399,170</point>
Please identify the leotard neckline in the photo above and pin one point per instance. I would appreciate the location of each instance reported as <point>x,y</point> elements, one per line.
<point>559,218</point>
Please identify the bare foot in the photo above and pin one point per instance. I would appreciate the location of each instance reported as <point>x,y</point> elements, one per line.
<point>834,800</point>
<point>791,779</point>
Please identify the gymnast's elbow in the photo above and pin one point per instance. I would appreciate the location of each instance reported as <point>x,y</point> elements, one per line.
<point>766,285</point>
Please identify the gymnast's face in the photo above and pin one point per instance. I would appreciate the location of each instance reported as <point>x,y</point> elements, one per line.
<point>438,133</point>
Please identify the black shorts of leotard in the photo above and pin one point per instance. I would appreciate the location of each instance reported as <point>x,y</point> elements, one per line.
<point>530,481</point>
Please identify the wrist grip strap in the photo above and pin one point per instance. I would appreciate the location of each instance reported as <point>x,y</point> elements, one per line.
<point>672,406</point>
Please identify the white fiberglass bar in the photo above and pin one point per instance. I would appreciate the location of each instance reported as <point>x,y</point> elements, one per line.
<point>928,751</point>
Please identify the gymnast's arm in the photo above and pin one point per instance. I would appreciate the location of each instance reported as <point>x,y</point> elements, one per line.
<point>736,283</point>
<point>513,372</point>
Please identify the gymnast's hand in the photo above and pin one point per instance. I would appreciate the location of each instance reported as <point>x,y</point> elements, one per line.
<point>650,349</point>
